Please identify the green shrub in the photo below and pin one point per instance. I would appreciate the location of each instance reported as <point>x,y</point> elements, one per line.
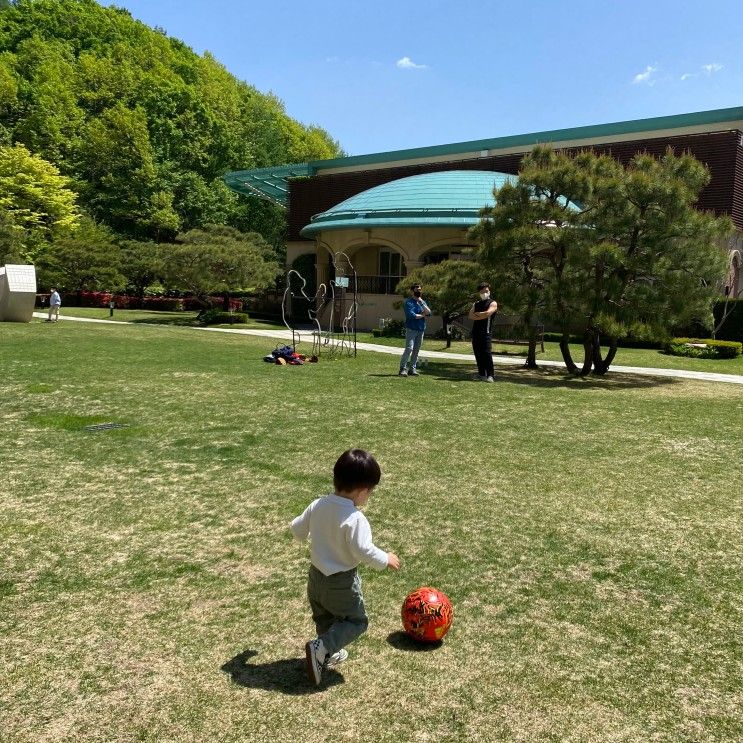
<point>711,349</point>
<point>219,317</point>
<point>393,329</point>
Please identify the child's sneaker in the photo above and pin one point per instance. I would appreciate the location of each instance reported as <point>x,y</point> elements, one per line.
<point>337,658</point>
<point>316,655</point>
<point>414,373</point>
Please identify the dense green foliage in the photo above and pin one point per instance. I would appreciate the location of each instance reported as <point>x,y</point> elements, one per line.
<point>87,259</point>
<point>705,348</point>
<point>449,287</point>
<point>218,259</point>
<point>219,317</point>
<point>142,126</point>
<point>636,254</point>
<point>36,205</point>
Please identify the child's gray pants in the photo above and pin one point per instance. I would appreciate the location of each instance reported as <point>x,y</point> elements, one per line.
<point>337,607</point>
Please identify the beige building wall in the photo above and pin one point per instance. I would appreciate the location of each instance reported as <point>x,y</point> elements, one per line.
<point>363,247</point>
<point>296,248</point>
<point>411,242</point>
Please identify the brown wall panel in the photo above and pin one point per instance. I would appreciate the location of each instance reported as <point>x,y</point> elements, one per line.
<point>736,211</point>
<point>720,151</point>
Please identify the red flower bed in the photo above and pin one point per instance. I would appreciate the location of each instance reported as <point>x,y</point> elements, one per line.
<point>128,302</point>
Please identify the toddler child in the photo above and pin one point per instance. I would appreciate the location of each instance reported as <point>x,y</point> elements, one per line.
<point>340,539</point>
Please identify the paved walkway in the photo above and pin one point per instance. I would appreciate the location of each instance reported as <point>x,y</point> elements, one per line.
<point>499,360</point>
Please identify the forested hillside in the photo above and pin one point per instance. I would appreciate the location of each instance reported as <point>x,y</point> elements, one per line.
<point>141,126</point>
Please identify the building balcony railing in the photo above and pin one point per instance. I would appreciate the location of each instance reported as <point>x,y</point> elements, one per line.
<point>378,284</point>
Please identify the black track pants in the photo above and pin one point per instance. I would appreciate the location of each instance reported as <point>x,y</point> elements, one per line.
<point>483,350</point>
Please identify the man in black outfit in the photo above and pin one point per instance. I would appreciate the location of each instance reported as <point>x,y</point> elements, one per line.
<point>482,343</point>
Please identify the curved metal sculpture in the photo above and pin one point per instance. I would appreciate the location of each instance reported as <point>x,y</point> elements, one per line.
<point>328,300</point>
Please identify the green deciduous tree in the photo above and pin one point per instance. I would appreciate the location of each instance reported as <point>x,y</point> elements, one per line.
<point>141,265</point>
<point>216,260</point>
<point>86,260</point>
<point>36,205</point>
<point>144,126</point>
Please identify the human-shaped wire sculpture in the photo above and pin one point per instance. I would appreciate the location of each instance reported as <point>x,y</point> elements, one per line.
<point>329,302</point>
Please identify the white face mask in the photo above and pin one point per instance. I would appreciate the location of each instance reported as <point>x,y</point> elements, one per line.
<point>484,295</point>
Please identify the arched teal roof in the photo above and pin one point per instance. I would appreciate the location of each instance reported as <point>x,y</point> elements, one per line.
<point>450,198</point>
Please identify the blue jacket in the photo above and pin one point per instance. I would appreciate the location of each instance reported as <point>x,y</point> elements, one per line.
<point>412,308</point>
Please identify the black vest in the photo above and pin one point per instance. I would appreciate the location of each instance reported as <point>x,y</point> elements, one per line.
<point>481,328</point>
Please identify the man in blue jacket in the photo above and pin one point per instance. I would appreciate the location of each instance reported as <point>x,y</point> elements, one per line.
<point>416,312</point>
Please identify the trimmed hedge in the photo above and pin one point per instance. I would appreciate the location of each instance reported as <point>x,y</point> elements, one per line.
<point>705,348</point>
<point>219,317</point>
<point>393,329</point>
<point>732,329</point>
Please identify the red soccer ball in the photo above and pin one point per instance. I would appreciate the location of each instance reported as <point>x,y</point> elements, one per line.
<point>427,614</point>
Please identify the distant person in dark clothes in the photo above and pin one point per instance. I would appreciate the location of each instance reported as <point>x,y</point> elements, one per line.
<point>482,342</point>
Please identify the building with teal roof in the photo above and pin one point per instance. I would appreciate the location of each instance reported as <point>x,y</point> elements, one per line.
<point>390,212</point>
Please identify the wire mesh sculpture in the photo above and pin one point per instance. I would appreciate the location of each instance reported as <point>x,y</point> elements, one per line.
<point>332,318</point>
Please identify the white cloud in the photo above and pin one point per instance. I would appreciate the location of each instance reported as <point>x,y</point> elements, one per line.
<point>644,77</point>
<point>687,75</point>
<point>407,64</point>
<point>714,67</point>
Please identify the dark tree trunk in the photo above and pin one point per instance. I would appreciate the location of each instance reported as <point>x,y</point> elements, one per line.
<point>587,354</point>
<point>226,302</point>
<point>531,354</point>
<point>601,365</point>
<point>448,319</point>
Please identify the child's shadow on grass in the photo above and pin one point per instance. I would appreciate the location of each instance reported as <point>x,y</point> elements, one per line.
<point>403,641</point>
<point>287,676</point>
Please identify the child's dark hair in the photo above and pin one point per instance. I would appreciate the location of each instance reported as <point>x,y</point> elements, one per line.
<point>355,468</point>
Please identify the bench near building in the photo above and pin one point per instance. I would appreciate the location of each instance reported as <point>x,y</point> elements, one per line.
<point>391,212</point>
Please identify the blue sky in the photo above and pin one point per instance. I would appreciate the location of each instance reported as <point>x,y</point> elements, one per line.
<point>383,75</point>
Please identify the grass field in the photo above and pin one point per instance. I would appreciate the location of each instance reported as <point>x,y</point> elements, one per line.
<point>647,358</point>
<point>588,532</point>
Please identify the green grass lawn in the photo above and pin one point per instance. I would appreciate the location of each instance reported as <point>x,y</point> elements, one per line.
<point>641,357</point>
<point>588,532</point>
<point>647,358</point>
<point>153,317</point>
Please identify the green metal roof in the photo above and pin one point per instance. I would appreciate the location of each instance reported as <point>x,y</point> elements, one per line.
<point>272,183</point>
<point>445,199</point>
<point>678,121</point>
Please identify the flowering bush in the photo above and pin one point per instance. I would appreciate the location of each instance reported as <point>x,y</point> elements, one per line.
<point>128,302</point>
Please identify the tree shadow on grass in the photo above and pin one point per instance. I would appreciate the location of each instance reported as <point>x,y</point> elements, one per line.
<point>403,641</point>
<point>547,376</point>
<point>287,676</point>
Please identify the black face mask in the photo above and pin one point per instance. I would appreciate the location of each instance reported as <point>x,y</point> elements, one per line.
<point>416,292</point>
